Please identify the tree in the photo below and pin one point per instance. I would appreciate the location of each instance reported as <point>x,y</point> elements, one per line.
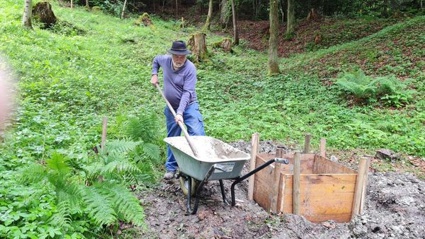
<point>26,18</point>
<point>290,17</point>
<point>224,13</point>
<point>274,34</point>
<point>235,28</point>
<point>123,9</point>
<point>177,8</point>
<point>210,9</point>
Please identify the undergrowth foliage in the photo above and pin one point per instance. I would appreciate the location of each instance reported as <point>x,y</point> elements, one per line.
<point>83,195</point>
<point>54,185</point>
<point>95,191</point>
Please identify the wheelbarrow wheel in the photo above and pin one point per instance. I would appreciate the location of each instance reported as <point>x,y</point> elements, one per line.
<point>184,185</point>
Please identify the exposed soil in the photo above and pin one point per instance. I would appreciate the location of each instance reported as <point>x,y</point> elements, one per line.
<point>310,34</point>
<point>394,208</point>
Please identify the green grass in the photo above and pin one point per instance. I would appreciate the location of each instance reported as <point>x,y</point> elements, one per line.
<point>95,65</point>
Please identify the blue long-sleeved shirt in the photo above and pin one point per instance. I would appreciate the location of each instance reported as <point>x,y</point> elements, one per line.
<point>179,86</point>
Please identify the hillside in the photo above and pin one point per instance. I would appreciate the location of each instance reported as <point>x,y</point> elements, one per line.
<point>93,66</point>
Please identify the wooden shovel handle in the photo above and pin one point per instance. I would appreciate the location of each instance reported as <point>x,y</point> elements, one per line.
<point>186,134</point>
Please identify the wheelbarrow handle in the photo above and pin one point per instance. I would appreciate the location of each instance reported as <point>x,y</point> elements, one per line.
<point>186,134</point>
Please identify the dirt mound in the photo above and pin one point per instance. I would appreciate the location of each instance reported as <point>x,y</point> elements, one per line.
<point>394,208</point>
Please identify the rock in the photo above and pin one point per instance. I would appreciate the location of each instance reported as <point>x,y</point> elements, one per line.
<point>386,154</point>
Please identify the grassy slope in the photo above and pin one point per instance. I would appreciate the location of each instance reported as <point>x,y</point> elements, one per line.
<point>68,82</point>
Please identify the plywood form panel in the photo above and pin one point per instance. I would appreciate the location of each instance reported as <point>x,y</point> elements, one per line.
<point>322,196</point>
<point>322,165</point>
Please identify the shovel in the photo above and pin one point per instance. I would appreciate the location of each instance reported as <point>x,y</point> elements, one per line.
<point>186,134</point>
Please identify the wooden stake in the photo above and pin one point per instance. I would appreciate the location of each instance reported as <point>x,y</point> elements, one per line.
<point>276,182</point>
<point>282,201</point>
<point>307,143</point>
<point>104,127</point>
<point>323,147</point>
<point>254,152</point>
<point>364,186</point>
<point>296,185</point>
<point>359,188</point>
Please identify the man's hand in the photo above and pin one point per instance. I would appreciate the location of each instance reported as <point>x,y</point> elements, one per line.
<point>154,80</point>
<point>178,118</point>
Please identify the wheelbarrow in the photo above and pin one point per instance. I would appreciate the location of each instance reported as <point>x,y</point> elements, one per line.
<point>215,160</point>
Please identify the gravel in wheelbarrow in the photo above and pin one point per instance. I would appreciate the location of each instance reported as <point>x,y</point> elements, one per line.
<point>227,160</point>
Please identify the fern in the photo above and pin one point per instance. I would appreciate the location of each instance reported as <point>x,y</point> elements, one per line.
<point>144,127</point>
<point>62,217</point>
<point>120,165</point>
<point>125,203</point>
<point>358,85</point>
<point>71,194</point>
<point>95,190</point>
<point>152,151</point>
<point>32,173</point>
<point>364,89</point>
<point>95,187</point>
<point>57,164</point>
<point>120,146</point>
<point>99,206</point>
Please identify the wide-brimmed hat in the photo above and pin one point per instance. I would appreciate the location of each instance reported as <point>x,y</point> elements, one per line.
<point>179,48</point>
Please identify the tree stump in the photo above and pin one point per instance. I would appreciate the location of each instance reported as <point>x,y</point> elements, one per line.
<point>313,15</point>
<point>43,13</point>
<point>225,44</point>
<point>198,46</point>
<point>144,19</point>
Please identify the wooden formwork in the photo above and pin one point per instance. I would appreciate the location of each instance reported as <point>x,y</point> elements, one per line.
<point>310,185</point>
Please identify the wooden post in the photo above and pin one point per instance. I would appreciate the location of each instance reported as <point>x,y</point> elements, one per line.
<point>323,147</point>
<point>276,182</point>
<point>359,188</point>
<point>104,127</point>
<point>307,143</point>
<point>279,152</point>
<point>296,185</point>
<point>364,186</point>
<point>254,152</point>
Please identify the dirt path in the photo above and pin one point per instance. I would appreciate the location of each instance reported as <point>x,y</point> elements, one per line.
<point>395,208</point>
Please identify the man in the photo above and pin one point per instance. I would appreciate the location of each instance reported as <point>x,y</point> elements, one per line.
<point>179,75</point>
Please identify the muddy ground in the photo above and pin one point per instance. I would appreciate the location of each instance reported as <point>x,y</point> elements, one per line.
<point>394,208</point>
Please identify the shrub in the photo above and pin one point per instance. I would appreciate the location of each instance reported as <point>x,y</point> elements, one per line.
<point>363,89</point>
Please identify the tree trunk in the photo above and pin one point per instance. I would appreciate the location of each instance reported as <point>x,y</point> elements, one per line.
<point>291,17</point>
<point>123,9</point>
<point>198,46</point>
<point>273,40</point>
<point>210,9</point>
<point>235,28</point>
<point>26,18</point>
<point>177,8</point>
<point>224,13</point>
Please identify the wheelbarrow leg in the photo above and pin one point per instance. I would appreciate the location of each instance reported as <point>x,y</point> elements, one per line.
<point>198,190</point>
<point>232,188</point>
<point>222,191</point>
